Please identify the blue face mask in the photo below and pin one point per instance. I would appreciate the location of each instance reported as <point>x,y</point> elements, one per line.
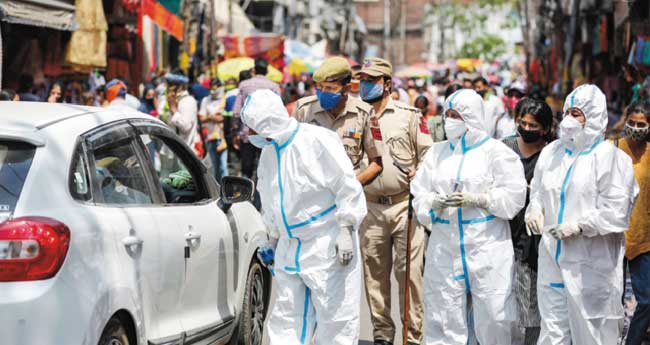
<point>370,91</point>
<point>328,100</point>
<point>258,141</point>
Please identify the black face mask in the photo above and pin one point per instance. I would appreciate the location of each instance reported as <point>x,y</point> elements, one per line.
<point>529,136</point>
<point>482,93</point>
<point>149,101</point>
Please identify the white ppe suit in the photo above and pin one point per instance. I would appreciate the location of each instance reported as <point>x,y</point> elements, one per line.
<point>308,190</point>
<point>589,183</point>
<point>470,252</point>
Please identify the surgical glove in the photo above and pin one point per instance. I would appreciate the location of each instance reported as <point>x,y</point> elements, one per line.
<point>344,245</point>
<point>565,230</point>
<point>438,202</point>
<point>534,223</point>
<point>467,199</point>
<point>266,252</point>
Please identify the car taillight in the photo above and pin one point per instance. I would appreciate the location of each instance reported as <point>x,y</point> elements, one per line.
<point>32,248</point>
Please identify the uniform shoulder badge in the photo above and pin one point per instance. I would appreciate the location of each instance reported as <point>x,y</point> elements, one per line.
<point>305,101</point>
<point>403,106</point>
<point>363,106</point>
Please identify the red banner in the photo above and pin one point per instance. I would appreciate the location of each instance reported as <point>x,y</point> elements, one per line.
<point>167,20</point>
<point>231,46</point>
<point>269,47</point>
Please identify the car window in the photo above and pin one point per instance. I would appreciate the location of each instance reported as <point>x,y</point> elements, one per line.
<point>79,180</point>
<point>180,181</point>
<point>15,161</point>
<point>120,174</point>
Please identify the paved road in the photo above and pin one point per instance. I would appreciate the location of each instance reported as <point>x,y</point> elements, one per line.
<point>366,328</point>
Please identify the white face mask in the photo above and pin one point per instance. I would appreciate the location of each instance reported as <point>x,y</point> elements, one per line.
<point>569,130</point>
<point>454,128</point>
<point>258,141</point>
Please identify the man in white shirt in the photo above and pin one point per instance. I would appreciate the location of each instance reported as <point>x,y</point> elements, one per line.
<point>183,108</point>
<point>498,123</point>
<point>211,116</point>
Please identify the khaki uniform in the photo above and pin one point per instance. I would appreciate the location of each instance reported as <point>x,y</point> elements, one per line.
<point>352,126</point>
<point>405,140</point>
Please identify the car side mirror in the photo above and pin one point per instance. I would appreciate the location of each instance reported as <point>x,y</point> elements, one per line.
<point>234,190</point>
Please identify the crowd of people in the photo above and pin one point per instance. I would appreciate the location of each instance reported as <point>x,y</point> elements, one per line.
<point>527,234</point>
<point>527,217</point>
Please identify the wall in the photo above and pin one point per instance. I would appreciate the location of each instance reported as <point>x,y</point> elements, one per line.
<point>414,47</point>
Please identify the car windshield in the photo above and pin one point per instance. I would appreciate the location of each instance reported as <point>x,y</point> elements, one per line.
<point>15,161</point>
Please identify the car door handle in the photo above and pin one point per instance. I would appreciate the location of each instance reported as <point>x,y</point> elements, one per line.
<point>191,236</point>
<point>130,241</point>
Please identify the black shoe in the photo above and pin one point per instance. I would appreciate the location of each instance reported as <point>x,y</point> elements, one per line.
<point>412,343</point>
<point>382,342</point>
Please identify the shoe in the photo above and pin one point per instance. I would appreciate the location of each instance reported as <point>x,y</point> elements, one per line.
<point>412,343</point>
<point>382,342</point>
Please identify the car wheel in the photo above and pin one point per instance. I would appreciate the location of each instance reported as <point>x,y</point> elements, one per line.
<point>114,333</point>
<point>251,320</point>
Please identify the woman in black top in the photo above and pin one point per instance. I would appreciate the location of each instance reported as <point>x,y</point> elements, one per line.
<point>534,130</point>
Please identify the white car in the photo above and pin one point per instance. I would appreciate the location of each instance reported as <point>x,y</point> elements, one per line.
<point>113,232</point>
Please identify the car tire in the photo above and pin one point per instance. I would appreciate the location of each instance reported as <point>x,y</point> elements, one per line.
<point>250,329</point>
<point>114,333</point>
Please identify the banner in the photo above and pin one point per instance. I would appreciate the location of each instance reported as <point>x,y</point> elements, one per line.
<point>270,47</point>
<point>165,17</point>
<point>231,46</point>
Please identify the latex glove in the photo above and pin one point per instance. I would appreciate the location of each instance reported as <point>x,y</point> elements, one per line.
<point>565,230</point>
<point>344,245</point>
<point>266,252</point>
<point>438,202</point>
<point>534,223</point>
<point>467,199</point>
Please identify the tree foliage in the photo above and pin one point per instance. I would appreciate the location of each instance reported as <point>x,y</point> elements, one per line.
<point>455,14</point>
<point>487,47</point>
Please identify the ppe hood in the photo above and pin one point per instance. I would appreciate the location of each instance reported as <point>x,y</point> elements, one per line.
<point>264,112</point>
<point>593,103</point>
<point>471,108</point>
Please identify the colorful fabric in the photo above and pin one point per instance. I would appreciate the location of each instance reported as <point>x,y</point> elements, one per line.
<point>640,48</point>
<point>269,47</point>
<point>166,14</point>
<point>637,237</point>
<point>115,88</point>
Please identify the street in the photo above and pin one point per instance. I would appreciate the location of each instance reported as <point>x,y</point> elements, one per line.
<point>365,337</point>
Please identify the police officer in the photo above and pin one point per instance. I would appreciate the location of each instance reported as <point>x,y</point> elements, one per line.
<point>405,139</point>
<point>350,118</point>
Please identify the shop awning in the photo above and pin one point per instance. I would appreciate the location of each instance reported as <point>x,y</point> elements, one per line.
<point>53,14</point>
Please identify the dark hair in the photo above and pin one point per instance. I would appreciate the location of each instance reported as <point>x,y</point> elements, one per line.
<point>7,95</point>
<point>25,83</point>
<point>480,79</point>
<point>451,89</point>
<point>638,107</point>
<point>55,84</point>
<point>261,66</point>
<point>422,98</point>
<point>243,75</point>
<point>345,80</point>
<point>542,114</point>
<point>215,81</point>
<point>524,102</point>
